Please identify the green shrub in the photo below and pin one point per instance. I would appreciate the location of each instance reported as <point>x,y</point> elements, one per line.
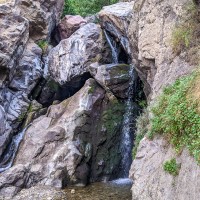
<point>186,33</point>
<point>142,124</point>
<point>176,116</point>
<point>171,167</point>
<point>85,7</point>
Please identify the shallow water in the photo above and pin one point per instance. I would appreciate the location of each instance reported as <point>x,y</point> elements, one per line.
<point>115,190</point>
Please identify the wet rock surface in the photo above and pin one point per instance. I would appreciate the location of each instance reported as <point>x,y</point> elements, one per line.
<point>116,19</point>
<point>113,77</point>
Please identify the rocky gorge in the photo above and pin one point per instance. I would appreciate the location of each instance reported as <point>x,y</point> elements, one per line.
<point>71,89</point>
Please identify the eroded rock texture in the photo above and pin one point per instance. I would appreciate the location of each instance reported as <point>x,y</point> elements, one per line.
<point>113,78</point>
<point>43,16</point>
<point>152,182</point>
<point>150,32</point>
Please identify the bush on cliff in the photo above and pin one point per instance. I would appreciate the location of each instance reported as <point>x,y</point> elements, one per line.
<point>85,7</point>
<point>185,35</point>
<point>177,115</point>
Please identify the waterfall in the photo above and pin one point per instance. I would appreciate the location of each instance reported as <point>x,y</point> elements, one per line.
<point>127,129</point>
<point>128,118</point>
<point>10,153</point>
<point>113,47</point>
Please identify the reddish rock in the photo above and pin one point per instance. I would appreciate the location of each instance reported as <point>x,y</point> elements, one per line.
<point>69,24</point>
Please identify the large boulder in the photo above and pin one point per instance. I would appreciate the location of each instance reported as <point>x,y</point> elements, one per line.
<point>43,16</point>
<point>76,141</point>
<point>116,19</point>
<point>71,58</point>
<point>112,77</point>
<point>69,24</point>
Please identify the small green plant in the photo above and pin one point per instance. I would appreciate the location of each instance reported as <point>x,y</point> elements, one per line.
<point>171,167</point>
<point>43,44</point>
<point>142,124</point>
<point>143,103</point>
<point>176,116</point>
<point>91,89</point>
<point>112,117</point>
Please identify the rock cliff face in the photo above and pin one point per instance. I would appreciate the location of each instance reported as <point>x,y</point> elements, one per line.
<point>150,33</point>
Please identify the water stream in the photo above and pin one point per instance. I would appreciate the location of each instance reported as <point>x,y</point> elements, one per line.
<point>9,155</point>
<point>126,137</point>
<point>113,47</point>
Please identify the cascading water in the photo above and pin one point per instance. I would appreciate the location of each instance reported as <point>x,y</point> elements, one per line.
<point>127,128</point>
<point>9,155</point>
<point>128,120</point>
<point>113,47</point>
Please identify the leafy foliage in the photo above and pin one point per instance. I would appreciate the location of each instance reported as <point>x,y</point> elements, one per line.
<point>85,7</point>
<point>142,124</point>
<point>171,167</point>
<point>176,116</point>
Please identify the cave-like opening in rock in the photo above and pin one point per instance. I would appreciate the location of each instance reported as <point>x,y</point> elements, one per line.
<point>48,91</point>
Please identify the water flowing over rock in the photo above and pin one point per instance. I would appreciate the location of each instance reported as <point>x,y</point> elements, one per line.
<point>128,125</point>
<point>66,144</point>
<point>5,131</point>
<point>116,19</point>
<point>69,24</point>
<point>72,56</point>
